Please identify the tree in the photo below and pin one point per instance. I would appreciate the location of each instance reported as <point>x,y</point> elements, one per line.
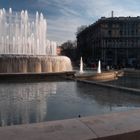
<point>69,49</point>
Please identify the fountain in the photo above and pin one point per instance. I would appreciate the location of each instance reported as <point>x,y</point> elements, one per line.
<point>95,76</point>
<point>81,65</point>
<point>24,46</point>
<point>99,67</point>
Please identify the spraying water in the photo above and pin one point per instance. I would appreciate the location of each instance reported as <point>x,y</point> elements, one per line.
<point>99,67</point>
<point>24,46</point>
<point>81,65</point>
<point>21,33</point>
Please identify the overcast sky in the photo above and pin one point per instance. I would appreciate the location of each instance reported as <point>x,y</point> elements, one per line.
<point>64,16</point>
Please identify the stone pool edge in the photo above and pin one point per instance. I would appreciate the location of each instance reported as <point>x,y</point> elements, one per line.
<point>112,126</point>
<point>133,90</point>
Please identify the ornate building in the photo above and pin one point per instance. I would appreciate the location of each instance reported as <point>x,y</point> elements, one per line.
<point>114,40</point>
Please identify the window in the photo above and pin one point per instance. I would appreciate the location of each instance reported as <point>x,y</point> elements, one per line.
<point>120,32</point>
<point>109,32</point>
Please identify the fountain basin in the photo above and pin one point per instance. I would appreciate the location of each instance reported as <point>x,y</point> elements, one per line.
<point>104,76</point>
<point>34,63</point>
<point>35,77</point>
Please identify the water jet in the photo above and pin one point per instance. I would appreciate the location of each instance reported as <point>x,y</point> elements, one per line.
<point>81,65</point>
<point>99,67</point>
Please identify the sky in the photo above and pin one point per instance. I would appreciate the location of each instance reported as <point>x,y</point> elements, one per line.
<point>65,16</point>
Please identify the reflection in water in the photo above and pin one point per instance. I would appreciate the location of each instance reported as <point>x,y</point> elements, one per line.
<point>107,100</point>
<point>130,82</point>
<point>108,96</point>
<point>22,103</point>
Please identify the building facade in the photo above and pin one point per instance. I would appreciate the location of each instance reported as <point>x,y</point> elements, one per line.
<point>114,40</point>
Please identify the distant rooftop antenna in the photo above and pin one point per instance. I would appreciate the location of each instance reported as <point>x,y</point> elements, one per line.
<point>112,14</point>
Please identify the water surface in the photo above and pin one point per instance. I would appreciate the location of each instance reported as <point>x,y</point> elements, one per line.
<point>130,82</point>
<point>23,103</point>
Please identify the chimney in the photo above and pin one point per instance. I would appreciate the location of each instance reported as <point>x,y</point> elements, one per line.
<point>112,14</point>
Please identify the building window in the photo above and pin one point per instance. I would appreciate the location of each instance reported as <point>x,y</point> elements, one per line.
<point>136,31</point>
<point>132,32</point>
<point>109,32</point>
